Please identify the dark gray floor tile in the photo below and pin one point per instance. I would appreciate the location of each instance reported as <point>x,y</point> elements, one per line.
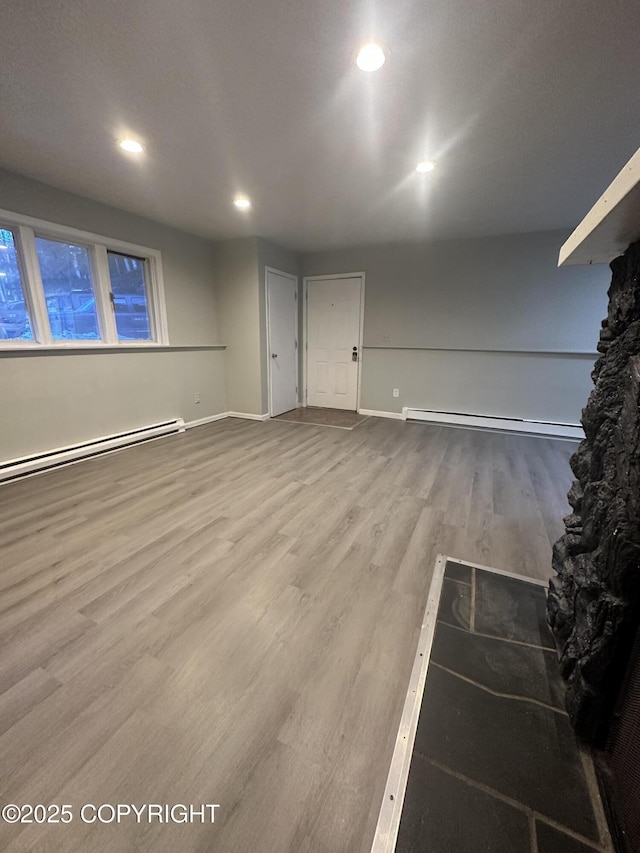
<point>522,750</point>
<point>444,815</point>
<point>457,572</point>
<point>500,665</point>
<point>511,608</point>
<point>455,603</point>
<point>550,840</point>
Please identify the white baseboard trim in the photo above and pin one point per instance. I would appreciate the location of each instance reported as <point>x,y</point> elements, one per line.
<point>208,420</point>
<point>545,428</point>
<point>374,414</point>
<point>58,456</point>
<point>247,416</point>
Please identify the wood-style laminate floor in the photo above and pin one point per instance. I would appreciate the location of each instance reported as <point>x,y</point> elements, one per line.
<point>230,616</point>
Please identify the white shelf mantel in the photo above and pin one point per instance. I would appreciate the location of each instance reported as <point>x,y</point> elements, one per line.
<point>612,223</point>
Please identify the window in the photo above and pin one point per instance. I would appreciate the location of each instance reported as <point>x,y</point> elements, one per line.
<point>65,270</point>
<point>63,287</point>
<point>129,296</point>
<point>14,315</point>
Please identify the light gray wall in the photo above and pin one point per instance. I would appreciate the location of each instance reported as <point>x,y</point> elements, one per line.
<point>54,401</point>
<point>279,258</point>
<point>453,325</point>
<point>240,275</point>
<point>237,277</point>
<point>531,386</point>
<point>51,400</point>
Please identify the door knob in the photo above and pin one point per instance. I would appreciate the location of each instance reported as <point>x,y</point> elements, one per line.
<point>274,355</point>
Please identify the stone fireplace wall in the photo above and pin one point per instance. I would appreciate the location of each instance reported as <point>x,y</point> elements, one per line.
<point>594,602</point>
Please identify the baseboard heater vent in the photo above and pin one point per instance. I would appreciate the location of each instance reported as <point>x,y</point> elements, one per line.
<point>550,428</point>
<point>15,468</point>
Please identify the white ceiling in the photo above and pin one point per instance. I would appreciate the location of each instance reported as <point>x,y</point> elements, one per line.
<point>530,107</point>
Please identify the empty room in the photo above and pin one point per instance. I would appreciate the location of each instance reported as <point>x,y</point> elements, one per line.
<point>320,433</point>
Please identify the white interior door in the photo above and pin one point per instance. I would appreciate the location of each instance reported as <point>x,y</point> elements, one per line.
<point>282,323</point>
<point>333,342</point>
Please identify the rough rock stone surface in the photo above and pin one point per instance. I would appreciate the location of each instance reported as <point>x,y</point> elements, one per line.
<point>594,602</point>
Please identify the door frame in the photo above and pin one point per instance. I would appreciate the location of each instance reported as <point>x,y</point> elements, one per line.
<point>305,284</point>
<point>294,278</point>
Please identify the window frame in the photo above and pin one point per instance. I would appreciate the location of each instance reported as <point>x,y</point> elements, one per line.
<point>25,230</point>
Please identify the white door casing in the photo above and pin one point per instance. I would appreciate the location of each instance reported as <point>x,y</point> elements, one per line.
<point>282,339</point>
<point>334,331</point>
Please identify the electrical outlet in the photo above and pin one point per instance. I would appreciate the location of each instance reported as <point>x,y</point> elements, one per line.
<point>396,392</point>
<point>386,339</point>
<point>196,398</point>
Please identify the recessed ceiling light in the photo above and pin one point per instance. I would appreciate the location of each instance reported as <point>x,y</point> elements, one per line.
<point>242,203</point>
<point>132,146</point>
<point>370,57</point>
<point>426,166</point>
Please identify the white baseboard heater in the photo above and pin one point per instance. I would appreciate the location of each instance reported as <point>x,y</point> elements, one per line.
<point>64,455</point>
<point>546,428</point>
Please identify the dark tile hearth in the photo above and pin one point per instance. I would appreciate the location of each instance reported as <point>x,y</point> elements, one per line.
<point>455,604</point>
<point>494,749</point>
<point>501,667</point>
<point>551,840</point>
<point>512,609</point>
<point>456,817</point>
<point>459,572</point>
<point>519,749</point>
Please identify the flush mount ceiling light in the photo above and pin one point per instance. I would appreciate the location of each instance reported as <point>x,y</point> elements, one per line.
<point>425,166</point>
<point>242,203</point>
<point>131,146</point>
<point>370,57</point>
